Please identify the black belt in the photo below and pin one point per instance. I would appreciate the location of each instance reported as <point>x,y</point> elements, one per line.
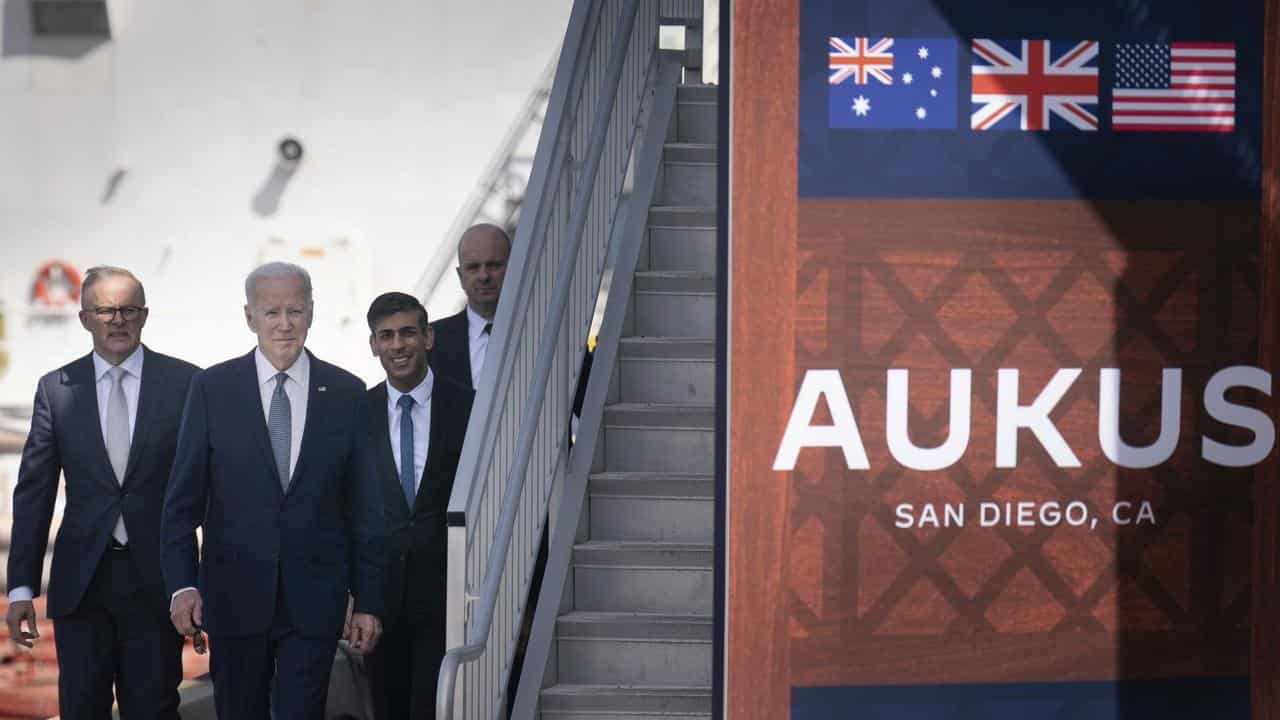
<point>114,544</point>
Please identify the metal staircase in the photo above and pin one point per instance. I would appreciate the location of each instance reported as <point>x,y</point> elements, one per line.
<point>616,239</point>
<point>633,634</point>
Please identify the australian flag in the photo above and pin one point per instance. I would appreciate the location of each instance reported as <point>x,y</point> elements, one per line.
<point>892,83</point>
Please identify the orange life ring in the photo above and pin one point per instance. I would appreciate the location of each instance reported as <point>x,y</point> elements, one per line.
<point>56,284</point>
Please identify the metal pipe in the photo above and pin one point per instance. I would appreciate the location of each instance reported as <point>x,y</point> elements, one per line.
<point>483,620</point>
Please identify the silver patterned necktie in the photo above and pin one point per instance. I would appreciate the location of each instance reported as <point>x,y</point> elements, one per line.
<point>280,426</point>
<point>117,438</point>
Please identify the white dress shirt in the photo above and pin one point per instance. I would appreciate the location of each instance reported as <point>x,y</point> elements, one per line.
<point>296,387</point>
<point>421,415</point>
<point>478,342</point>
<point>131,384</point>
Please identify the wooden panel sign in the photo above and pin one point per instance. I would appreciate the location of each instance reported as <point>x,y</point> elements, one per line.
<point>994,399</point>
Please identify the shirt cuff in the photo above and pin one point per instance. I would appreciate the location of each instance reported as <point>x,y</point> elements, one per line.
<point>22,593</point>
<point>179,592</point>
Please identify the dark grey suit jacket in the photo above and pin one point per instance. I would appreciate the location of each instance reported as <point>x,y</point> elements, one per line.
<point>66,438</point>
<point>451,354</point>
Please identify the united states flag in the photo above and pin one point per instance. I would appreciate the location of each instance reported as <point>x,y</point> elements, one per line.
<point>1175,86</point>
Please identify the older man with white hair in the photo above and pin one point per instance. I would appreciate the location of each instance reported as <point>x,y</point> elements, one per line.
<point>273,462</point>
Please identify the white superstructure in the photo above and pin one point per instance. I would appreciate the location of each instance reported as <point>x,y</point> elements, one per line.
<point>156,148</point>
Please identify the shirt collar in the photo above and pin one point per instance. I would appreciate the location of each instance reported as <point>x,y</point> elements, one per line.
<point>131,364</point>
<point>299,372</point>
<point>420,394</point>
<point>475,323</point>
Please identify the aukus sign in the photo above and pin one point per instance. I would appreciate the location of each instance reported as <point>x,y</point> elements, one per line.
<point>1012,417</point>
<point>993,412</point>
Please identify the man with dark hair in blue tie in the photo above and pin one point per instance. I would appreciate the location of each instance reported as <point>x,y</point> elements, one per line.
<point>417,423</point>
<point>108,423</point>
<point>273,462</point>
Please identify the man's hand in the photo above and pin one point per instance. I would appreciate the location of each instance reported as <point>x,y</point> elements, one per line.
<point>186,611</point>
<point>365,631</point>
<point>19,611</point>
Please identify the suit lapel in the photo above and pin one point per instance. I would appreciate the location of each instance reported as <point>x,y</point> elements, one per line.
<point>464,350</point>
<point>318,406</point>
<point>148,397</point>
<point>84,393</point>
<point>381,439</point>
<point>437,435</point>
<point>251,400</point>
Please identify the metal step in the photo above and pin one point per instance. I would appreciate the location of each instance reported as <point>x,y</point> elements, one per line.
<point>625,702</point>
<point>633,576</point>
<point>618,648</point>
<point>667,370</point>
<point>674,303</point>
<point>651,506</point>
<point>702,217</point>
<point>653,437</point>
<point>675,248</point>
<point>698,93</point>
<point>680,237</point>
<point>697,114</point>
<point>688,174</point>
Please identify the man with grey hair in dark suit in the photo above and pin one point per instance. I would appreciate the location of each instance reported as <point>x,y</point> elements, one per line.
<point>273,463</point>
<point>108,423</point>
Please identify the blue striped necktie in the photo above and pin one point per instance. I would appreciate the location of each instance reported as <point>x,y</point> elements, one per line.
<point>407,479</point>
<point>280,425</point>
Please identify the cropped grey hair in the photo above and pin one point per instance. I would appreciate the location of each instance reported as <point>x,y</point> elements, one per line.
<point>96,274</point>
<point>276,270</point>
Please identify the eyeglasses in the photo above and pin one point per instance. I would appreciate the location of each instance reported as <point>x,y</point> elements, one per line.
<point>128,312</point>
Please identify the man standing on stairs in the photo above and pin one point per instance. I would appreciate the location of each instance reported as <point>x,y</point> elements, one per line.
<point>273,461</point>
<point>462,340</point>
<point>108,422</point>
<point>417,423</point>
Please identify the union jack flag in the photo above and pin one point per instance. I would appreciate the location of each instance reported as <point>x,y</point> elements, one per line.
<point>862,60</point>
<point>1047,86</point>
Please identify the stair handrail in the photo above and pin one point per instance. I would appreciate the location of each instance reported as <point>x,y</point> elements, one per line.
<point>585,91</point>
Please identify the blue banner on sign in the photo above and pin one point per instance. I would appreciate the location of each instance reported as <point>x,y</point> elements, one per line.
<point>1166,699</point>
<point>983,99</point>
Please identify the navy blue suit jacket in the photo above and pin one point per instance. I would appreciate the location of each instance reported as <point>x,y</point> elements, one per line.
<point>267,550</point>
<point>451,353</point>
<point>417,535</point>
<point>66,437</point>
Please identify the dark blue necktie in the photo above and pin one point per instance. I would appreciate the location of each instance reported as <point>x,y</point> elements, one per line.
<point>406,448</point>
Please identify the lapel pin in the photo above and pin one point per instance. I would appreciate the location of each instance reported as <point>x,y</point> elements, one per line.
<point>322,388</point>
